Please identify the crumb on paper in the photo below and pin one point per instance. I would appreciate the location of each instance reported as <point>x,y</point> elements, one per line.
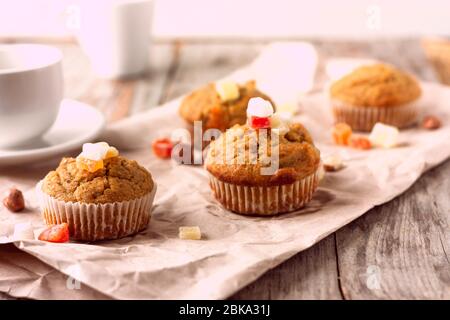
<point>333,163</point>
<point>189,233</point>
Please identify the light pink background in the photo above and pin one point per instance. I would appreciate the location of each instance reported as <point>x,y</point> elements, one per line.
<point>251,18</point>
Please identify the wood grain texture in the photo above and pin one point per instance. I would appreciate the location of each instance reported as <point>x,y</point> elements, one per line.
<point>400,250</point>
<point>116,98</point>
<point>311,274</point>
<point>397,250</point>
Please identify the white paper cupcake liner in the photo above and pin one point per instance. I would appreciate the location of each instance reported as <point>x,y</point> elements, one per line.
<point>364,118</point>
<point>265,201</point>
<point>94,222</point>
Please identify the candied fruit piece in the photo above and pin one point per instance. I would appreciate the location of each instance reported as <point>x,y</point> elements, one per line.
<point>227,90</point>
<point>189,233</point>
<point>341,133</point>
<point>23,231</point>
<point>258,107</point>
<point>384,136</point>
<point>89,165</point>
<point>259,123</point>
<point>162,148</point>
<point>359,142</point>
<point>111,153</point>
<point>56,233</point>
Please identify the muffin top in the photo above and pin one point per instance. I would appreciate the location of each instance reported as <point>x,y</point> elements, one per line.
<point>376,85</point>
<point>206,105</point>
<point>231,158</point>
<point>118,180</point>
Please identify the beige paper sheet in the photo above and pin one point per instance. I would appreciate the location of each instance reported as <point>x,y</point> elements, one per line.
<point>235,250</point>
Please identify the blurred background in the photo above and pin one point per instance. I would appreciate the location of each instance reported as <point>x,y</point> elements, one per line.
<point>246,18</point>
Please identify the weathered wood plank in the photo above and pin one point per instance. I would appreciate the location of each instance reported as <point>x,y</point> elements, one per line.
<point>4,296</point>
<point>401,250</point>
<point>116,98</point>
<point>311,274</point>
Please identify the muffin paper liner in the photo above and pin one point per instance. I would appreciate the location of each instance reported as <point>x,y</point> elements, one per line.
<point>93,222</point>
<point>364,118</point>
<point>265,201</point>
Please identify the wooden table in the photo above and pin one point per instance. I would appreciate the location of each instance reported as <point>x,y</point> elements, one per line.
<point>405,244</point>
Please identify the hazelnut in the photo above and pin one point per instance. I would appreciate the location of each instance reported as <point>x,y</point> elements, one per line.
<point>330,168</point>
<point>431,123</point>
<point>14,201</point>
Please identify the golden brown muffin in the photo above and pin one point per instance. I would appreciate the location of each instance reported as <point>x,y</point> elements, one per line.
<point>298,158</point>
<point>119,180</point>
<point>375,93</point>
<point>204,105</point>
<point>237,180</point>
<point>377,85</point>
<point>108,201</point>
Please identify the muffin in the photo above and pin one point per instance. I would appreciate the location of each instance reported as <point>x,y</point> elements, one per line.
<point>237,159</point>
<point>100,194</point>
<point>375,93</point>
<point>218,105</point>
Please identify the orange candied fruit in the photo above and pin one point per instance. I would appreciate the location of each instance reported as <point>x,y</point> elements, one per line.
<point>359,142</point>
<point>111,153</point>
<point>341,133</point>
<point>162,148</point>
<point>58,233</point>
<point>89,165</point>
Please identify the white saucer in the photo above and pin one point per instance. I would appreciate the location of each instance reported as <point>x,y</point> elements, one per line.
<point>76,124</point>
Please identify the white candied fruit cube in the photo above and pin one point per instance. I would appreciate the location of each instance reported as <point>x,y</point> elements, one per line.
<point>384,136</point>
<point>258,107</point>
<point>23,231</point>
<point>189,233</point>
<point>98,151</point>
<point>227,90</point>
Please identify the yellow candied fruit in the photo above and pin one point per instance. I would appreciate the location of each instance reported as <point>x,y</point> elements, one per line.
<point>227,90</point>
<point>111,153</point>
<point>89,165</point>
<point>189,233</point>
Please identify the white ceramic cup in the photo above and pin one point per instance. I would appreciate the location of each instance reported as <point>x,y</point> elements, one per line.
<point>115,35</point>
<point>31,90</point>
